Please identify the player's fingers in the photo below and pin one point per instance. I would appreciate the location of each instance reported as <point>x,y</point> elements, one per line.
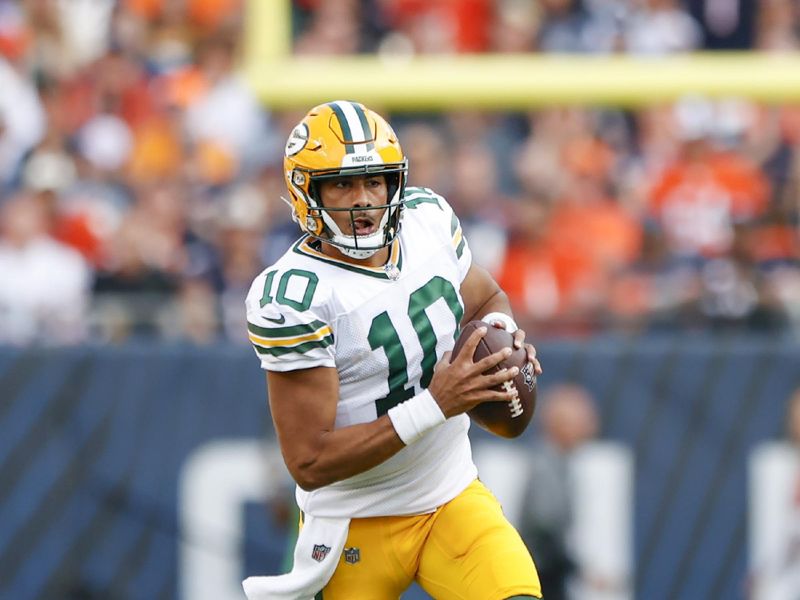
<point>519,338</point>
<point>499,396</point>
<point>488,362</point>
<point>531,352</point>
<point>468,351</point>
<point>498,324</point>
<point>444,362</point>
<point>501,376</point>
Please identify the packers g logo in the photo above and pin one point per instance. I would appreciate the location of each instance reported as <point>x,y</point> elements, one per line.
<point>297,140</point>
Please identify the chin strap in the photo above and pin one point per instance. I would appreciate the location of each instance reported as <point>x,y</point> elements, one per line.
<point>358,254</point>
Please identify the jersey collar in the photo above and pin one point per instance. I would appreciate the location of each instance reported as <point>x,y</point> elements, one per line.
<point>389,271</point>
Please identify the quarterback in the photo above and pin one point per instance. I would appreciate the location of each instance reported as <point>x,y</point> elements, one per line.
<point>354,327</point>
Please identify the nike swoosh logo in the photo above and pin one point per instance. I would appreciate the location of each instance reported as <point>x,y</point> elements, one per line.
<point>280,321</point>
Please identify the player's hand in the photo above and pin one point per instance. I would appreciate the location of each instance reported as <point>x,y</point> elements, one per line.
<point>519,342</point>
<point>460,385</point>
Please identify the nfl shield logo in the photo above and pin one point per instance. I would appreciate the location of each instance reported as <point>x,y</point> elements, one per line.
<point>320,552</point>
<point>528,377</point>
<point>352,555</point>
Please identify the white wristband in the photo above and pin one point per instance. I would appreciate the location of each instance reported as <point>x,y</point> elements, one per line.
<point>415,416</point>
<point>506,320</point>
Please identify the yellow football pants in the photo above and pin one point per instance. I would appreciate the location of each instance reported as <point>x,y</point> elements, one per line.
<point>465,550</point>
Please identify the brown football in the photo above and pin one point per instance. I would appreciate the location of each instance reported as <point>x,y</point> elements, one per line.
<point>506,419</point>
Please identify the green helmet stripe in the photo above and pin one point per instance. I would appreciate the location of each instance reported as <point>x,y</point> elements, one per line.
<point>362,116</point>
<point>345,126</point>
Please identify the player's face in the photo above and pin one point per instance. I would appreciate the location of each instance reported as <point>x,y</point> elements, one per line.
<point>358,192</point>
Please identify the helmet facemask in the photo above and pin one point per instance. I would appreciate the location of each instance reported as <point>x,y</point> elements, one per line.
<point>321,225</point>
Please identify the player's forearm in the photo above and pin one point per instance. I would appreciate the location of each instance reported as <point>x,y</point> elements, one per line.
<point>482,295</point>
<point>343,453</point>
<point>497,302</point>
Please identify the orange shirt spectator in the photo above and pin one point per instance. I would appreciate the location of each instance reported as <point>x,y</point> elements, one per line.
<point>209,15</point>
<point>468,21</point>
<point>700,197</point>
<point>588,242</point>
<point>560,265</point>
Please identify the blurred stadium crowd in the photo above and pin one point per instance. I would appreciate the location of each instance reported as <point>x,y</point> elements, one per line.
<point>140,178</point>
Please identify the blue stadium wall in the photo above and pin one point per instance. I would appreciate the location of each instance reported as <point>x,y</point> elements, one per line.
<point>92,440</point>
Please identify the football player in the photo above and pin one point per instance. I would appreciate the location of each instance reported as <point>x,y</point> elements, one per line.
<point>354,325</point>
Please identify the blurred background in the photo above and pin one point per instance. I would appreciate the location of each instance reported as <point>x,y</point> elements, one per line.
<point>650,246</point>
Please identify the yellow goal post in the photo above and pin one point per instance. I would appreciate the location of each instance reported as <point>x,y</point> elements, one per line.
<point>501,82</point>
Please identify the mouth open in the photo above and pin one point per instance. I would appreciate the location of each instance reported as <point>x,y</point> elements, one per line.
<point>364,226</point>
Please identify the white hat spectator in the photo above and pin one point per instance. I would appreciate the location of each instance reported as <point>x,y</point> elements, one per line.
<point>106,142</point>
<point>49,170</point>
<point>22,120</point>
<point>694,118</point>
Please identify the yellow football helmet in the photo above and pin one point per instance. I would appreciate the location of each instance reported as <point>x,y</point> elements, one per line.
<point>340,139</point>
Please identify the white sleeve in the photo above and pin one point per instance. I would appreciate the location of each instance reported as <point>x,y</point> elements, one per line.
<point>285,336</point>
<point>460,246</point>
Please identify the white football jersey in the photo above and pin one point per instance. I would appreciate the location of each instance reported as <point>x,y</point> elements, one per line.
<point>384,329</point>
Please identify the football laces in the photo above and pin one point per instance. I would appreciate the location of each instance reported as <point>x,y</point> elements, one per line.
<point>514,405</point>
